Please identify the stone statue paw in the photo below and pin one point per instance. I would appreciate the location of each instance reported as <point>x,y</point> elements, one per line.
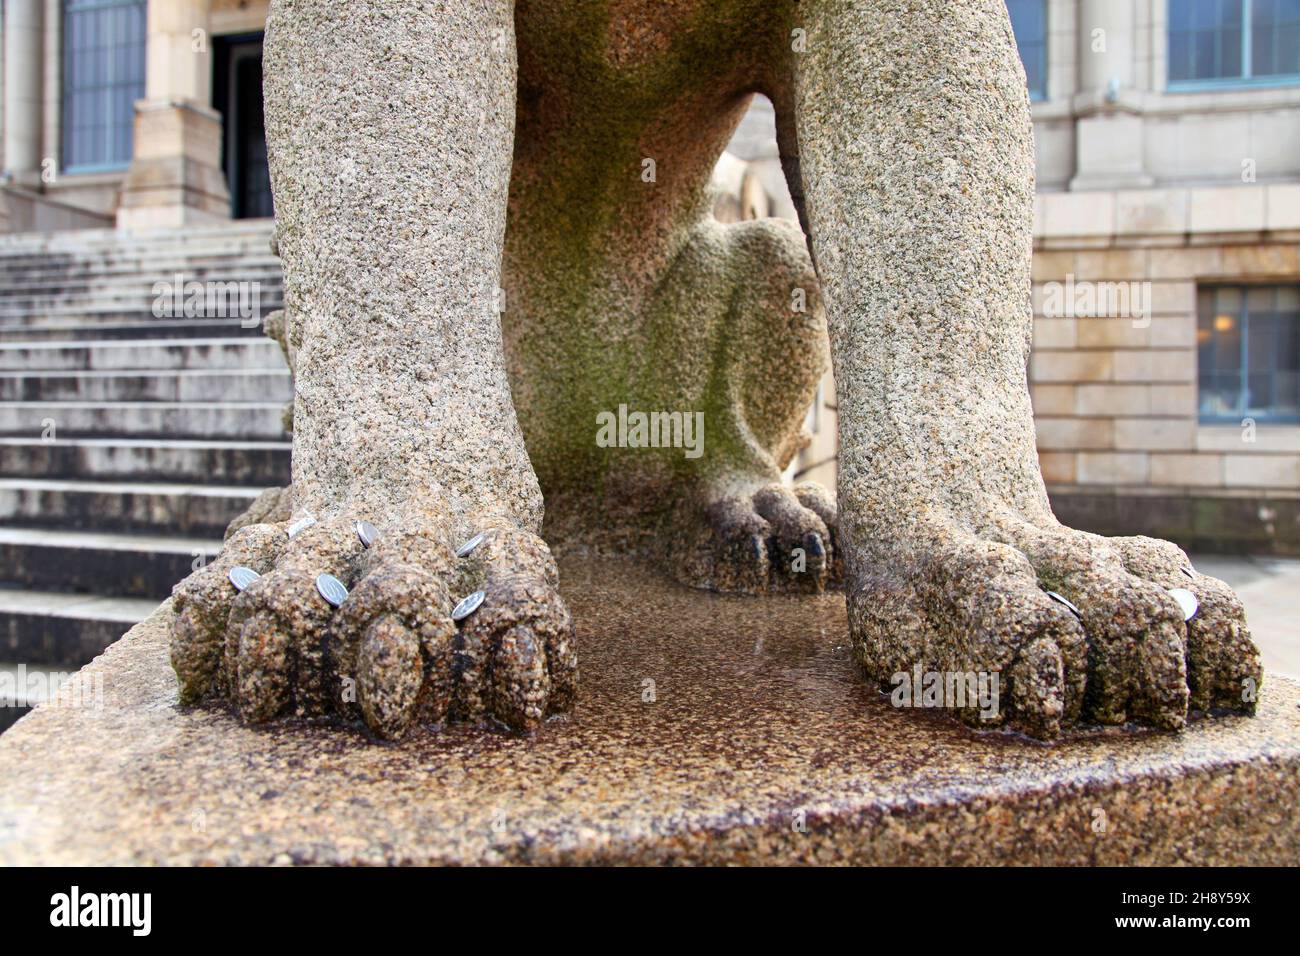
<point>1080,629</point>
<point>773,539</point>
<point>395,630</point>
<point>272,505</point>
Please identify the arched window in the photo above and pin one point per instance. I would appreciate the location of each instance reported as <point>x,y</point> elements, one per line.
<point>103,76</point>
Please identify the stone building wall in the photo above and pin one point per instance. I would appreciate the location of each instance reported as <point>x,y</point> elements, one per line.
<point>1123,441</point>
<point>1182,187</point>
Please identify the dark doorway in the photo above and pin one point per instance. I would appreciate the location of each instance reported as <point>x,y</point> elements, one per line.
<point>237,95</point>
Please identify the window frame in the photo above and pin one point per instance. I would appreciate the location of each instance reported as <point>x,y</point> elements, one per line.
<point>68,8</point>
<point>1243,367</point>
<point>1243,82</point>
<point>1037,95</point>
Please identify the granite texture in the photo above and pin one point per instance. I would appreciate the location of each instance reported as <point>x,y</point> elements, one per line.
<point>918,181</point>
<point>757,742</point>
<point>489,245</point>
<point>389,127</point>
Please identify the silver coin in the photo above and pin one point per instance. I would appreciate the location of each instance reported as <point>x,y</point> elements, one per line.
<point>1187,601</point>
<point>367,532</point>
<point>470,545</point>
<point>302,524</point>
<point>1189,572</point>
<point>242,577</point>
<point>467,606</point>
<point>331,589</point>
<point>1067,602</point>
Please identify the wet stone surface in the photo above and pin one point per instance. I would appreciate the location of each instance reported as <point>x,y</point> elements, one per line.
<point>708,729</point>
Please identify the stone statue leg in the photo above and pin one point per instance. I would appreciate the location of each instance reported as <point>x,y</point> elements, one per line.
<point>736,527</point>
<point>716,334</point>
<point>918,171</point>
<point>390,127</point>
<point>626,292</point>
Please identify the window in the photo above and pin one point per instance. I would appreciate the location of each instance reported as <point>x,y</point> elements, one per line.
<point>103,76</point>
<point>1275,38</point>
<point>1233,41</point>
<point>1249,352</point>
<point>1029,21</point>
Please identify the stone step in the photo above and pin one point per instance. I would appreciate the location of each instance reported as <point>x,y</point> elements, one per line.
<point>53,272</point>
<point>52,629</point>
<point>74,331</point>
<point>141,286</point>
<point>153,355</point>
<point>225,385</point>
<point>242,463</point>
<point>254,321</point>
<point>253,311</point>
<point>138,301</point>
<point>141,276</point>
<point>219,420</point>
<point>254,303</point>
<point>196,511</point>
<point>111,238</point>
<point>80,247</point>
<point>89,243</point>
<point>112,565</point>
<point>98,244</point>
<point>167,426</point>
<point>265,268</point>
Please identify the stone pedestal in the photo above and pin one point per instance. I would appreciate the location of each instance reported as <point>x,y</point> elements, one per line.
<point>175,177</point>
<point>710,730</point>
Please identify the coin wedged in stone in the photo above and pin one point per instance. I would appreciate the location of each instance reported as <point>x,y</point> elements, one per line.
<point>470,545</point>
<point>467,606</point>
<point>1189,572</point>
<point>367,532</point>
<point>302,524</point>
<point>1067,602</point>
<point>331,589</point>
<point>1187,601</point>
<point>241,577</point>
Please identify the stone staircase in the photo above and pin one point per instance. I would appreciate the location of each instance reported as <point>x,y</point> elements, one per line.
<point>129,437</point>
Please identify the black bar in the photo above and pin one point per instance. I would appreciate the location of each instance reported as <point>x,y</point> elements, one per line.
<point>936,910</point>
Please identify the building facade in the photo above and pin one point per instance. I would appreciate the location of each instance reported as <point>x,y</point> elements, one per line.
<point>134,113</point>
<point>1166,283</point>
<point>1166,365</point>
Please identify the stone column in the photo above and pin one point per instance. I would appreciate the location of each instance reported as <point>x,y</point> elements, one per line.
<point>175,177</point>
<point>1108,130</point>
<point>23,45</point>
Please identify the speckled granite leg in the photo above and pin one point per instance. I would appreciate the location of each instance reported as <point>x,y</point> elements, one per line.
<point>914,141</point>
<point>390,126</point>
